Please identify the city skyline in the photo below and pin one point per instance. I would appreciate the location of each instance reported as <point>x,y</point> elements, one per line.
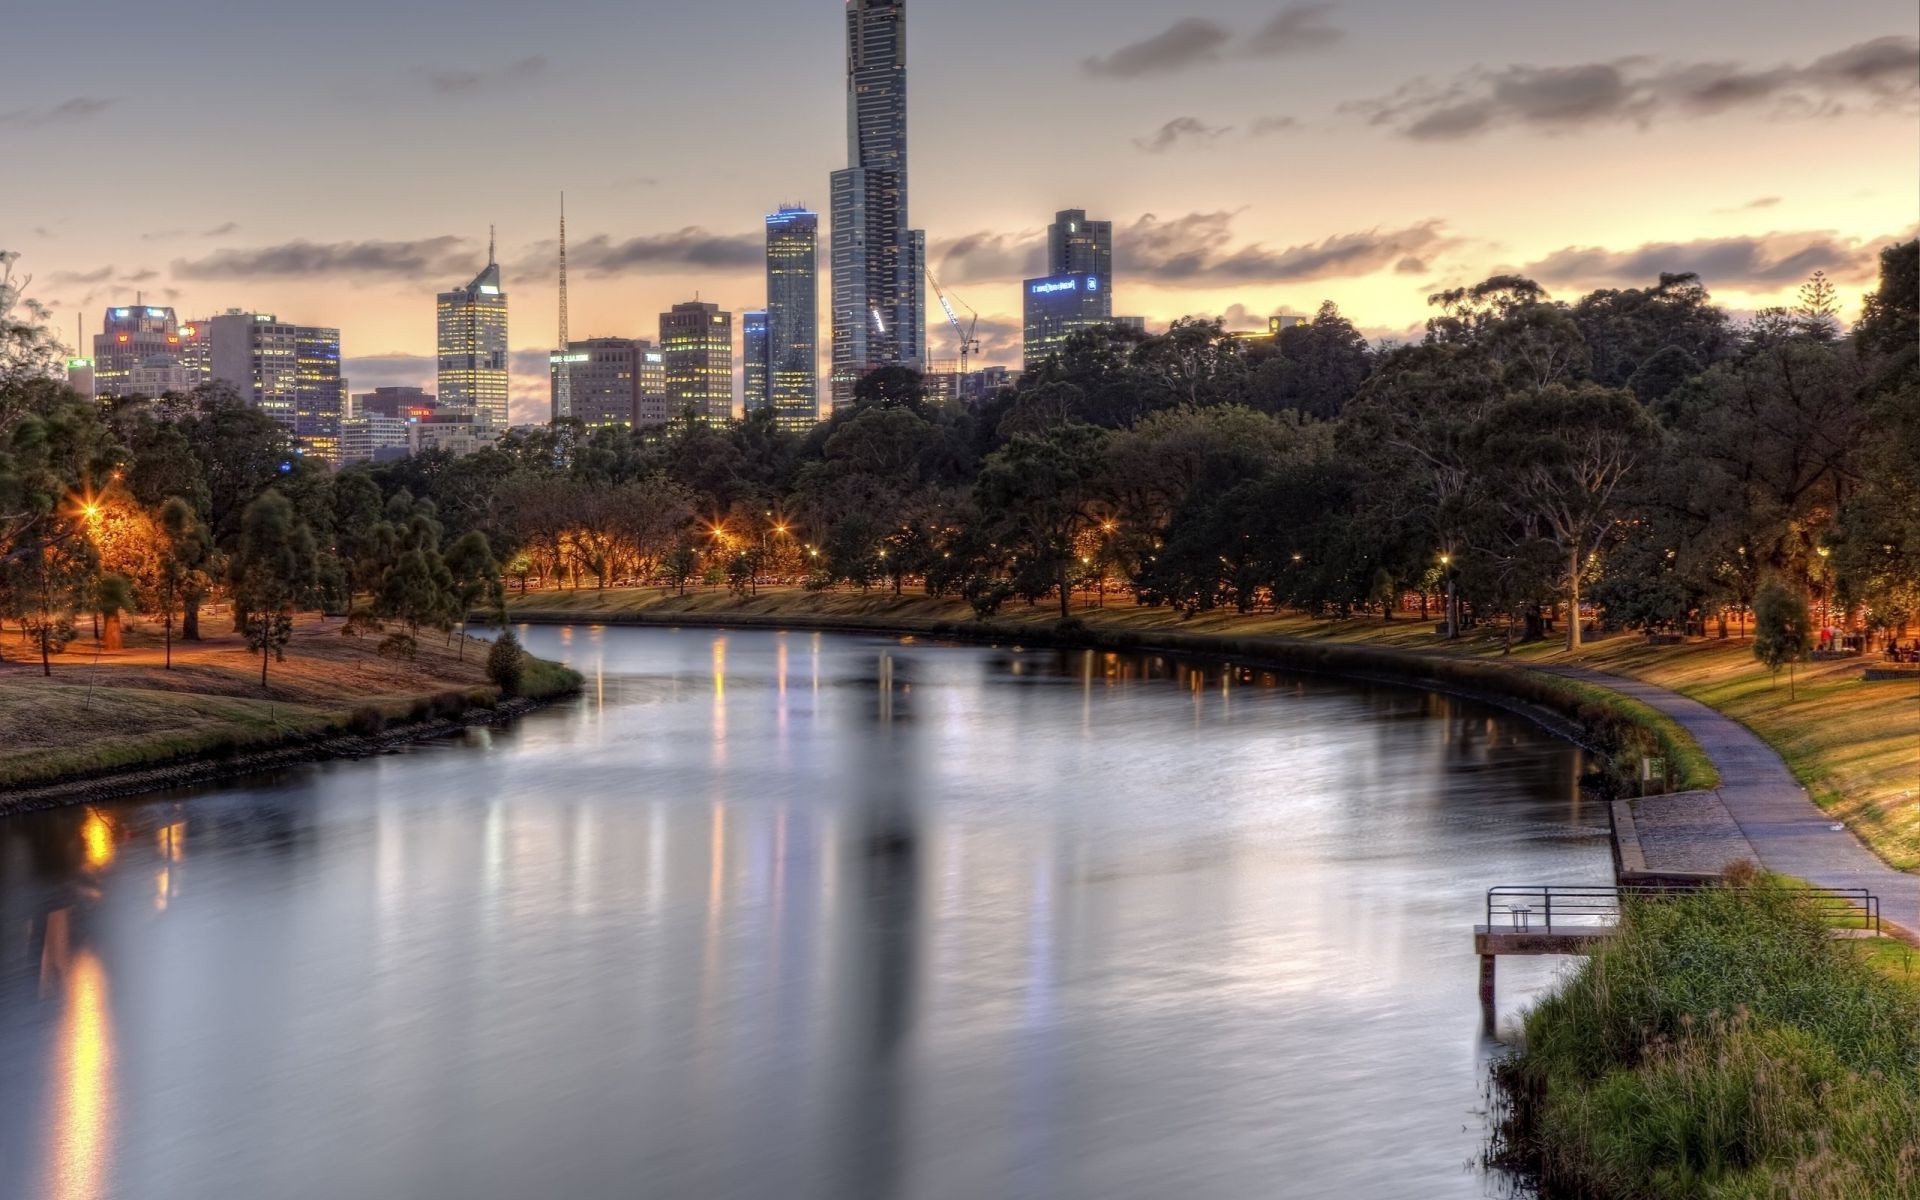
<point>1249,155</point>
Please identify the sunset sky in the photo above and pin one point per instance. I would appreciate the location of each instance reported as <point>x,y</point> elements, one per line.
<point>340,164</point>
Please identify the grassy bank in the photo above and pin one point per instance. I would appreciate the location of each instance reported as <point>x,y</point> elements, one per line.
<point>116,711</point>
<point>1855,745</point>
<point>1724,1046</point>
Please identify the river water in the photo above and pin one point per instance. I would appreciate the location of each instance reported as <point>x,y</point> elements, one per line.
<point>799,916</point>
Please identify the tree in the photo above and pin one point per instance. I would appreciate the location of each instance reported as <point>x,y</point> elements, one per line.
<point>1561,456</point>
<point>1037,494</point>
<point>271,573</point>
<point>112,597</point>
<point>1818,313</point>
<point>476,577</point>
<point>185,553</point>
<point>507,663</point>
<point>1314,368</point>
<point>1782,629</point>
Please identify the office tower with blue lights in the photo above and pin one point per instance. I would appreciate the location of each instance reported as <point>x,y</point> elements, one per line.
<point>1077,291</point>
<point>755,365</point>
<point>289,372</point>
<point>879,259</point>
<point>793,317</point>
<point>473,378</point>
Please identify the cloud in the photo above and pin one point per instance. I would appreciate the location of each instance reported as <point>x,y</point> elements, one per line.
<point>1268,126</point>
<point>689,247</point>
<point>1765,262</point>
<point>1186,43</point>
<point>80,278</point>
<point>991,256</point>
<point>221,230</point>
<point>464,81</point>
<point>394,369</point>
<point>1190,130</point>
<point>1294,30</point>
<point>66,112</point>
<point>445,257</point>
<point>1194,250</point>
<point>1882,74</point>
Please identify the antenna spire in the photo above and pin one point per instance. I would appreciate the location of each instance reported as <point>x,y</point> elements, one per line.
<point>490,241</point>
<point>563,387</point>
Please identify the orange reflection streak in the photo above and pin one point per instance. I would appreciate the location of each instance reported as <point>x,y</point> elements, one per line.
<point>78,1143</point>
<point>96,836</point>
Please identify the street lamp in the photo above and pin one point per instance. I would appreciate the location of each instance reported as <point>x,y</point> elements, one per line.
<point>1453,602</point>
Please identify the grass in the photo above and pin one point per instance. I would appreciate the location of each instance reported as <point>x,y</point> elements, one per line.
<point>1854,745</point>
<point>124,710</point>
<point>1724,1046</point>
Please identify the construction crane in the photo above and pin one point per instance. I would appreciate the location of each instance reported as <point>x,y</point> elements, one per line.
<point>969,345</point>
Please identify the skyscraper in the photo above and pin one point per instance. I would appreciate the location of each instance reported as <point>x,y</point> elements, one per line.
<point>473,348</point>
<point>605,379</point>
<point>1077,246</point>
<point>149,340</point>
<point>879,289</point>
<point>1077,291</point>
<point>290,372</point>
<point>697,342</point>
<point>755,370</point>
<point>793,317</point>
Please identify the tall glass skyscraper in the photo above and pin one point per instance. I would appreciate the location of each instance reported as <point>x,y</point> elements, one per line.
<point>879,288</point>
<point>473,348</point>
<point>290,372</point>
<point>793,317</point>
<point>1077,291</point>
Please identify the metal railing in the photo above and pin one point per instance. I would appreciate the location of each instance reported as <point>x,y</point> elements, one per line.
<point>1543,907</point>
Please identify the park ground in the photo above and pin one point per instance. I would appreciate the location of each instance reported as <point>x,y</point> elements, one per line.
<point>104,711</point>
<point>1855,745</point>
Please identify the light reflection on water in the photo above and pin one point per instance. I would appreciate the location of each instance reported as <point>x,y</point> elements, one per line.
<point>797,915</point>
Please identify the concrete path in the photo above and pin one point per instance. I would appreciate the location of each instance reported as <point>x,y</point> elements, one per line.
<point>1787,829</point>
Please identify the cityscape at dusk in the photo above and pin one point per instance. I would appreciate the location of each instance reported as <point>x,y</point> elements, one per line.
<point>883,600</point>
<point>1254,159</point>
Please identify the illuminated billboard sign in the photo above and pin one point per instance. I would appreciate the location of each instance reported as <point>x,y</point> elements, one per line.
<point>1062,284</point>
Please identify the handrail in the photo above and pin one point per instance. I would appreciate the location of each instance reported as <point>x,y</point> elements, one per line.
<point>1587,906</point>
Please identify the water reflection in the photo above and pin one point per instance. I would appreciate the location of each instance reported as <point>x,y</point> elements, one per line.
<point>796,915</point>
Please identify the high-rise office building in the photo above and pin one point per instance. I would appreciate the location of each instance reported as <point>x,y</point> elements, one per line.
<point>290,372</point>
<point>473,348</point>
<point>1077,246</point>
<point>879,288</point>
<point>606,381</point>
<point>653,411</point>
<point>697,342</point>
<point>1076,292</point>
<point>793,317</point>
<point>1057,307</point>
<point>755,362</point>
<point>143,350</point>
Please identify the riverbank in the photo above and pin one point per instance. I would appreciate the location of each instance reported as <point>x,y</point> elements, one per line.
<point>117,723</point>
<point>1854,745</point>
<point>1724,1044</point>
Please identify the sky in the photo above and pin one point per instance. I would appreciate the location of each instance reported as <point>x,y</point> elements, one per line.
<point>341,164</point>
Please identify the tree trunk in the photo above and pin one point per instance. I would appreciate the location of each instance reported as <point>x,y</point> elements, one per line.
<point>1066,597</point>
<point>1573,603</point>
<point>266,654</point>
<point>110,634</point>
<point>190,618</point>
<point>46,656</point>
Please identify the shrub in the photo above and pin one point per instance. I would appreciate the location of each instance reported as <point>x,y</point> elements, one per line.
<point>367,721</point>
<point>507,663</point>
<point>398,645</point>
<point>450,706</point>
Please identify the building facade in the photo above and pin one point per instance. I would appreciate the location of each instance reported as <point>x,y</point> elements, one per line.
<point>793,317</point>
<point>472,323</point>
<point>756,363</point>
<point>696,340</point>
<point>373,438</point>
<point>1057,307</point>
<point>142,338</point>
<point>290,372</point>
<point>878,259</point>
<point>399,403</point>
<point>1077,246</point>
<point>606,381</point>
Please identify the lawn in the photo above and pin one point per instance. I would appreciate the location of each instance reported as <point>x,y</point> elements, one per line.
<point>124,709</point>
<point>1855,745</point>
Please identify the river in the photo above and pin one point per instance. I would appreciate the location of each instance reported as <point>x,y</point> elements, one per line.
<point>801,916</point>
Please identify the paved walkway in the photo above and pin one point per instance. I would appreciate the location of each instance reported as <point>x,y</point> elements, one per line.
<point>1787,829</point>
